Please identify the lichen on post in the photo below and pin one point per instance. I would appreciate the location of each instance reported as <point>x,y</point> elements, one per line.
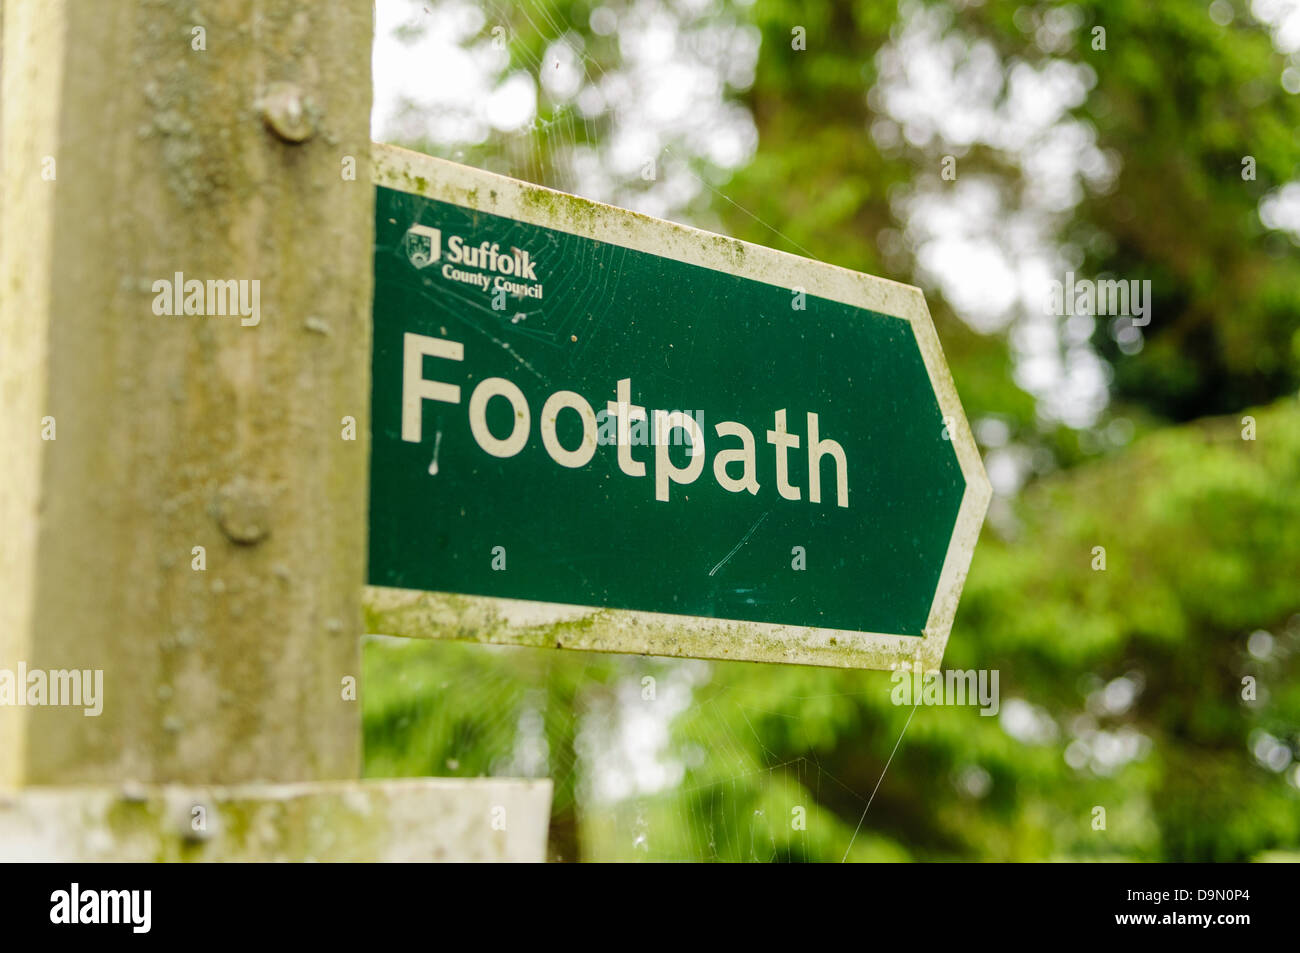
<point>135,158</point>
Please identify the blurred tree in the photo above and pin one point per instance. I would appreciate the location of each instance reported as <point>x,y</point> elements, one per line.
<point>1121,688</point>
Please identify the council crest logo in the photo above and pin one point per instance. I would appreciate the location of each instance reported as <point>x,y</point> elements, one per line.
<point>423,245</point>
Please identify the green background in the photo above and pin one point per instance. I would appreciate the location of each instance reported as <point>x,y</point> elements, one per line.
<point>691,339</point>
<point>1201,527</point>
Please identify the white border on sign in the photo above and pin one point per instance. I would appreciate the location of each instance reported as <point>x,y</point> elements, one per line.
<point>417,614</point>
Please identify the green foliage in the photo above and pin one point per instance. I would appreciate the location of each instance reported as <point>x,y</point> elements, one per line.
<point>1183,101</point>
<point>1120,688</point>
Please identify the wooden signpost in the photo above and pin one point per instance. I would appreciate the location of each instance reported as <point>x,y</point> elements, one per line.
<point>183,515</point>
<point>589,429</point>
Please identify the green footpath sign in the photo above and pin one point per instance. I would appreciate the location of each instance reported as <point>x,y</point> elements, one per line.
<point>595,429</point>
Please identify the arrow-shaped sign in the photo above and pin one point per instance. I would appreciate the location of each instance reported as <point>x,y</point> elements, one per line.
<point>597,430</point>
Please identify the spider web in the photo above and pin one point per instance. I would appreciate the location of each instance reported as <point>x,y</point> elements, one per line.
<point>651,759</point>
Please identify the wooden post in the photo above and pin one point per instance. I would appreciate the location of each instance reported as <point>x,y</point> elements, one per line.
<point>184,505</point>
<point>130,157</point>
